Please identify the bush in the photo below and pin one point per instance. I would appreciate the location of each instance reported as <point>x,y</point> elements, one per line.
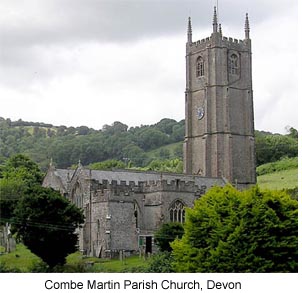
<point>161,263</point>
<point>233,231</point>
<point>167,234</point>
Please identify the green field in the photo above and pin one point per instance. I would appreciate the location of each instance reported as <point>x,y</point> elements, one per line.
<point>167,151</point>
<point>22,260</point>
<point>278,175</point>
<point>92,264</point>
<point>279,180</point>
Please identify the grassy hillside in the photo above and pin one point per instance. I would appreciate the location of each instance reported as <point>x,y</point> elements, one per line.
<point>278,175</point>
<point>279,180</point>
<point>170,151</point>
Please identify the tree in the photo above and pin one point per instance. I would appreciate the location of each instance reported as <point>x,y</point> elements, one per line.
<point>108,165</point>
<point>292,132</point>
<point>22,168</point>
<point>166,125</point>
<point>272,147</point>
<point>16,175</point>
<point>151,139</point>
<point>46,223</point>
<point>135,155</point>
<point>233,231</point>
<point>160,263</point>
<point>10,192</point>
<point>167,234</point>
<point>116,128</point>
<point>172,165</point>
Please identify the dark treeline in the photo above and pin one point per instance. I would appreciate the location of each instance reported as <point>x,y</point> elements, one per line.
<point>67,145</point>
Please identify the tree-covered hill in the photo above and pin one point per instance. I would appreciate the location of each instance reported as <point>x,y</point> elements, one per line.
<point>135,146</point>
<point>67,145</point>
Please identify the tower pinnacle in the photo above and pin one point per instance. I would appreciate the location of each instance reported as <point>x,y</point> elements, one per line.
<point>247,26</point>
<point>189,32</point>
<point>215,22</point>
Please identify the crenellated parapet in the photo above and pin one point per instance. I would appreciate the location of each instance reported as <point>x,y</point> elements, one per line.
<point>172,186</point>
<point>217,39</point>
<point>118,190</point>
<point>227,42</point>
<point>235,44</point>
<point>203,43</point>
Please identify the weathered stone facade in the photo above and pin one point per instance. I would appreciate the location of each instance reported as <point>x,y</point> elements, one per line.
<point>123,209</point>
<point>219,139</point>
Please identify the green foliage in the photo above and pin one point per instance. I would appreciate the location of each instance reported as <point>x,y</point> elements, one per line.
<point>46,222</point>
<point>233,231</point>
<point>172,165</point>
<point>16,175</point>
<point>292,132</point>
<point>5,269</point>
<point>283,164</point>
<point>273,147</point>
<point>170,151</point>
<point>292,192</point>
<point>168,233</point>
<point>107,165</point>
<point>21,167</point>
<point>161,263</point>
<point>66,145</point>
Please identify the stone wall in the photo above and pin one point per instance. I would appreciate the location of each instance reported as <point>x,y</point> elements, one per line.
<point>122,210</point>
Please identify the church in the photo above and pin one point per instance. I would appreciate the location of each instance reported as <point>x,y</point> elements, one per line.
<point>124,208</point>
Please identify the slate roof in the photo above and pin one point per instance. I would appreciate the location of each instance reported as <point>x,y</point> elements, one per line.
<point>140,176</point>
<point>137,176</point>
<point>63,175</point>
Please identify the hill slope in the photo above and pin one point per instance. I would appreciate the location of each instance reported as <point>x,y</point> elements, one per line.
<point>278,175</point>
<point>136,145</point>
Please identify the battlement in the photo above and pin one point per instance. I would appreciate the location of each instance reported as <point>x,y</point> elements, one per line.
<point>223,41</point>
<point>235,43</point>
<point>121,188</point>
<point>173,185</point>
<point>201,43</point>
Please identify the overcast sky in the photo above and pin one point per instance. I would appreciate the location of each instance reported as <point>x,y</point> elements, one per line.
<point>93,62</point>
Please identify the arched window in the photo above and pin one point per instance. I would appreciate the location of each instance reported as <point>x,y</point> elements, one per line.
<point>177,212</point>
<point>136,214</point>
<point>77,195</point>
<point>234,64</point>
<point>199,67</point>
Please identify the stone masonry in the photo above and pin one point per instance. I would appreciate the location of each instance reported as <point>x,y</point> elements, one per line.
<point>124,208</point>
<point>219,139</point>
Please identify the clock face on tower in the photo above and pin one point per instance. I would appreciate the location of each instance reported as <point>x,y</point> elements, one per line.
<point>200,112</point>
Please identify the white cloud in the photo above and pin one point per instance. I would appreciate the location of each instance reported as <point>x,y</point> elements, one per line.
<point>276,74</point>
<point>95,62</point>
<point>94,84</point>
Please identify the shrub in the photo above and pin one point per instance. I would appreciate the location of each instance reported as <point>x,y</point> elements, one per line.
<point>233,231</point>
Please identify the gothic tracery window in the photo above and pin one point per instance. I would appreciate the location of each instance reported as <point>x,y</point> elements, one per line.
<point>77,196</point>
<point>199,67</point>
<point>234,64</point>
<point>177,212</point>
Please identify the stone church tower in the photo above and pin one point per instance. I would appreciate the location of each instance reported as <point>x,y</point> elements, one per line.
<point>219,139</point>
